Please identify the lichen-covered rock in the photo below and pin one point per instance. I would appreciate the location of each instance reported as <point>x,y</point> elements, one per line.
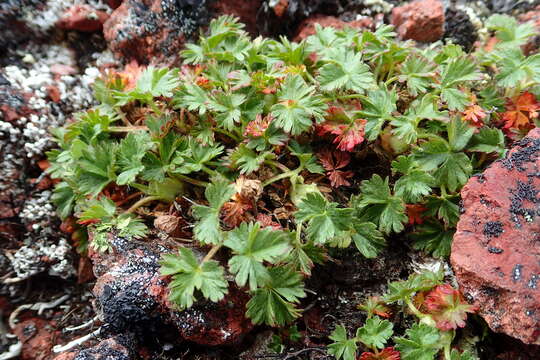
<point>307,27</point>
<point>496,249</point>
<point>132,297</point>
<point>82,18</point>
<point>153,30</point>
<point>420,20</point>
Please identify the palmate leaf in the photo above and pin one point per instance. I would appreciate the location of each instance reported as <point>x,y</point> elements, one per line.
<point>207,230</point>
<point>188,275</point>
<point>433,238</point>
<point>378,205</point>
<point>451,169</point>
<point>444,208</point>
<point>422,342</point>
<point>342,346</point>
<point>274,302</point>
<point>345,71</point>
<point>325,220</point>
<point>297,106</point>
<point>487,140</point>
<point>158,82</point>
<point>252,246</point>
<point>508,31</point>
<point>418,73</point>
<point>378,108</point>
<point>98,209</point>
<point>368,240</point>
<point>97,168</point>
<point>64,198</point>
<point>403,290</point>
<point>130,153</point>
<point>228,109</point>
<point>247,160</point>
<point>375,332</point>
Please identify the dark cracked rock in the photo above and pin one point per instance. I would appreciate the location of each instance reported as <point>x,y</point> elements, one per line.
<point>496,249</point>
<point>153,30</point>
<point>132,297</point>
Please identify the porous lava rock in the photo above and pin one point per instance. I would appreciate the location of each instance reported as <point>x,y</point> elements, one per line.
<point>36,336</point>
<point>496,249</point>
<point>420,20</point>
<point>133,297</point>
<point>532,16</point>
<point>246,10</point>
<point>307,27</point>
<point>82,18</point>
<point>153,30</point>
<point>120,347</point>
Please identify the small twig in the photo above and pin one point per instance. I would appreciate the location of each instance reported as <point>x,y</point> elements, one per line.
<point>13,280</point>
<point>211,253</point>
<point>83,326</point>
<point>70,345</point>
<point>40,307</point>
<point>120,129</point>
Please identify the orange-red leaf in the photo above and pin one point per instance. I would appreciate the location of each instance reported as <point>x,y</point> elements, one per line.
<point>475,115</point>
<point>447,307</point>
<point>415,211</point>
<point>520,111</point>
<point>388,353</point>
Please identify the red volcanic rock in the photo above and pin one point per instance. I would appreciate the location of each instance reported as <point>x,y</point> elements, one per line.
<point>496,249</point>
<point>133,297</point>
<point>82,18</point>
<point>534,17</point>
<point>36,336</point>
<point>420,20</point>
<point>152,30</point>
<point>113,4</point>
<point>307,27</point>
<point>246,10</point>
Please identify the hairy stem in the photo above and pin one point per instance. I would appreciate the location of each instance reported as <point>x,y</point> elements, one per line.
<point>191,181</point>
<point>228,133</point>
<point>284,175</point>
<point>142,202</point>
<point>211,253</point>
<point>121,129</point>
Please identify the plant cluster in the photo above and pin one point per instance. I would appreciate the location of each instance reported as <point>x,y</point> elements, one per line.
<point>346,137</point>
<point>439,308</point>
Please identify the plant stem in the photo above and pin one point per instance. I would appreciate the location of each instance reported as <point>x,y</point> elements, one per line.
<point>351,96</point>
<point>228,133</point>
<point>211,253</point>
<point>191,181</point>
<point>120,129</point>
<point>280,176</point>
<point>208,170</point>
<point>277,164</point>
<point>413,309</point>
<point>141,202</point>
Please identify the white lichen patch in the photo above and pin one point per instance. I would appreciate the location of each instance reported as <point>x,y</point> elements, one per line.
<point>40,256</point>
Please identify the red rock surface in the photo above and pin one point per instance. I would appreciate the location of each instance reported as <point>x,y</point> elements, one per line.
<point>82,18</point>
<point>534,17</point>
<point>496,249</point>
<point>246,10</point>
<point>36,336</point>
<point>420,20</point>
<point>307,27</point>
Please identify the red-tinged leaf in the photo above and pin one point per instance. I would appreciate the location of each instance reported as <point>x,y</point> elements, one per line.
<point>257,127</point>
<point>332,161</point>
<point>520,111</point>
<point>347,135</point>
<point>374,305</point>
<point>475,115</point>
<point>235,212</point>
<point>388,353</point>
<point>266,221</point>
<point>415,211</point>
<point>447,307</point>
<point>131,74</point>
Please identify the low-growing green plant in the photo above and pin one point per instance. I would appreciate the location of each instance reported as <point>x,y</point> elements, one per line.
<point>346,137</point>
<point>439,308</point>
